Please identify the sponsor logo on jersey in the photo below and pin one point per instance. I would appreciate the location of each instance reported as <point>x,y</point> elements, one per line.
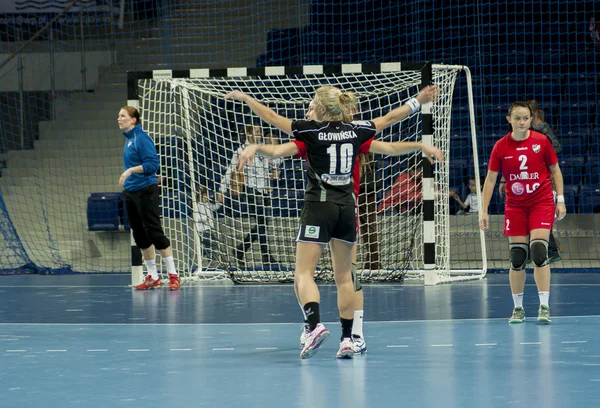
<point>336,179</point>
<point>312,231</point>
<point>508,157</point>
<point>522,148</point>
<point>536,148</point>
<point>524,176</point>
<point>518,188</point>
<point>361,122</point>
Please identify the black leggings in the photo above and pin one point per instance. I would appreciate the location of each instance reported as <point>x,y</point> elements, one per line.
<point>143,210</point>
<point>258,204</point>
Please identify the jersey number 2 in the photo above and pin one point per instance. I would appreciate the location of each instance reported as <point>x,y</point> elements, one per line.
<point>343,157</point>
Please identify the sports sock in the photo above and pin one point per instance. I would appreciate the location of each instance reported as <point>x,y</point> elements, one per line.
<point>151,267</point>
<point>311,310</point>
<point>518,299</point>
<point>346,328</point>
<point>357,325</point>
<point>170,263</point>
<point>544,298</point>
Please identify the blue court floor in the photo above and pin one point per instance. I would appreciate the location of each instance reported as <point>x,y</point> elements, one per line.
<point>90,341</point>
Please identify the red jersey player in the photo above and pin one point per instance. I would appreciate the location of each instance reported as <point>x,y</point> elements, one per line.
<point>526,159</point>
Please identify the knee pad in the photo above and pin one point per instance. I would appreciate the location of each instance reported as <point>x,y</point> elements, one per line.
<point>539,252</point>
<point>519,253</point>
<point>355,279</point>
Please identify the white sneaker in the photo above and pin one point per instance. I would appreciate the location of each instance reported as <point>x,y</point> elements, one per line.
<point>314,341</point>
<point>346,348</point>
<point>304,335</point>
<point>360,347</point>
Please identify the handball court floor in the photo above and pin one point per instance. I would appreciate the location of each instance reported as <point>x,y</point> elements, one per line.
<point>91,341</point>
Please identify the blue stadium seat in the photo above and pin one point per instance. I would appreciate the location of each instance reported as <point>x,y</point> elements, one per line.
<point>496,203</point>
<point>573,116</point>
<point>589,199</point>
<point>545,91</point>
<point>572,147</point>
<point>457,170</point>
<point>588,61</point>
<point>105,212</point>
<point>572,169</point>
<point>175,205</point>
<point>592,173</point>
<point>283,46</point>
<point>571,193</point>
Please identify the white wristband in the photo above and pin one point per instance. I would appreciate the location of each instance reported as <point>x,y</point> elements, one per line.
<point>414,104</point>
<point>560,198</point>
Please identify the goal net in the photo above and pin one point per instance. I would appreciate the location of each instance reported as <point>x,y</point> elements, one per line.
<point>242,225</point>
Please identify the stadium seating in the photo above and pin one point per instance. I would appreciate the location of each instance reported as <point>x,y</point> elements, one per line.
<point>105,212</point>
<point>589,199</point>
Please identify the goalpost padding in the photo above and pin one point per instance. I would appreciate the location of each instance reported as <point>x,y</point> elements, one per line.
<point>197,134</point>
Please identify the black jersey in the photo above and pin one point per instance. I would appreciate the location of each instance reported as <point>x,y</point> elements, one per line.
<point>332,148</point>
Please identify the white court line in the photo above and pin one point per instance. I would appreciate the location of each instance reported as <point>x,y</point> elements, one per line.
<point>278,324</point>
<point>97,350</point>
<point>224,349</point>
<point>185,349</point>
<point>486,344</point>
<point>73,310</point>
<point>15,351</point>
<point>138,350</point>
<point>591,364</point>
<point>56,351</point>
<point>534,343</point>
<point>266,348</point>
<point>574,342</point>
<point>442,345</point>
<point>398,346</point>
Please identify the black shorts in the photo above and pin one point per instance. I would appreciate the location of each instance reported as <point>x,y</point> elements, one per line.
<point>322,221</point>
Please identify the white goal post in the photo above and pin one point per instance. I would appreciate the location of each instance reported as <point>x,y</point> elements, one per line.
<point>222,226</point>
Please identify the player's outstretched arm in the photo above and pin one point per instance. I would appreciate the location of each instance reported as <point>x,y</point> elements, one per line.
<point>282,150</point>
<point>397,148</point>
<point>263,112</point>
<point>427,94</point>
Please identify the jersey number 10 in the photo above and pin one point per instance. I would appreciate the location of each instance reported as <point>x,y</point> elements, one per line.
<point>345,155</point>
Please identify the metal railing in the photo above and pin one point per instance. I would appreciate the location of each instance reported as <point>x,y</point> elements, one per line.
<point>49,28</point>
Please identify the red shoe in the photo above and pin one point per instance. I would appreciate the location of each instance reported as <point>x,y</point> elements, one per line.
<point>149,283</point>
<point>174,282</point>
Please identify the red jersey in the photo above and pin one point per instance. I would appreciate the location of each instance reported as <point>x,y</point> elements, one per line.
<point>405,192</point>
<point>524,164</point>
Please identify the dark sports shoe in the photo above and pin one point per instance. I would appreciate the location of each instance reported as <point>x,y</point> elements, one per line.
<point>518,315</point>
<point>544,315</point>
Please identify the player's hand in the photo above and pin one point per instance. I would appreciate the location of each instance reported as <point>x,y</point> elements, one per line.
<point>451,193</point>
<point>560,211</point>
<point>428,94</point>
<point>219,198</point>
<point>124,176</point>
<point>501,189</point>
<point>433,153</point>
<point>247,157</point>
<point>236,95</point>
<point>484,221</point>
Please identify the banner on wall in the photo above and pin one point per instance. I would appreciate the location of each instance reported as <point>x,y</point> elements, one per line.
<point>53,6</point>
